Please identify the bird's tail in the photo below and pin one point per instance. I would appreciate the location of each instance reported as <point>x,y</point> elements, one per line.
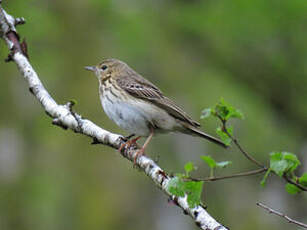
<point>195,131</point>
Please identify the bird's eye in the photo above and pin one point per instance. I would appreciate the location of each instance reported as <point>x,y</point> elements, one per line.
<point>104,67</point>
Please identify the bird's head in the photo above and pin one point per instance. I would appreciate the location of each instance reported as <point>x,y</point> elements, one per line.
<point>107,68</point>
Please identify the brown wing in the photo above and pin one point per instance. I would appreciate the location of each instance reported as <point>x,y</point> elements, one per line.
<point>142,88</point>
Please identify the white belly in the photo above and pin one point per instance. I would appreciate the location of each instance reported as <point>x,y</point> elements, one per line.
<point>136,116</point>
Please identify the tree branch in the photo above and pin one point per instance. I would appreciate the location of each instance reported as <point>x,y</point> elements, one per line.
<point>246,154</point>
<point>294,183</point>
<point>243,174</point>
<point>64,116</point>
<point>252,159</point>
<point>270,210</point>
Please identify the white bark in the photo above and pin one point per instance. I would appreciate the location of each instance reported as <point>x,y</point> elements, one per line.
<point>64,116</point>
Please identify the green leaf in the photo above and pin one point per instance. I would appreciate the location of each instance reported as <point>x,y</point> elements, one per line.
<point>73,102</point>
<point>292,189</point>
<point>206,113</point>
<point>303,179</point>
<point>224,137</point>
<point>193,190</point>
<point>176,186</point>
<point>234,113</point>
<point>292,161</point>
<point>188,167</point>
<point>283,162</point>
<point>225,111</point>
<point>277,164</point>
<point>223,164</point>
<point>263,181</point>
<point>209,160</point>
<point>230,130</point>
<point>221,109</point>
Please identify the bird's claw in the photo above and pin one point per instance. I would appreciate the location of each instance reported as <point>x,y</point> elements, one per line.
<point>129,143</point>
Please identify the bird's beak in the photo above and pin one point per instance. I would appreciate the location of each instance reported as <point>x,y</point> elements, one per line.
<point>90,68</point>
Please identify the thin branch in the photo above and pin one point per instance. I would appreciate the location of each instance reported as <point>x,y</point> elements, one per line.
<point>243,174</point>
<point>270,210</point>
<point>246,154</point>
<point>295,183</point>
<point>64,116</point>
<point>252,159</point>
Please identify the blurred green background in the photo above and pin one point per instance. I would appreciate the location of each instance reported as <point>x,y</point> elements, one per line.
<point>252,53</point>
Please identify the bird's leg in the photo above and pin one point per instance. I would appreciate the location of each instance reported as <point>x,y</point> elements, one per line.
<point>142,150</point>
<point>129,142</point>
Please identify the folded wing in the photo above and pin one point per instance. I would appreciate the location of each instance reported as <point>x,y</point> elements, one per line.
<point>139,87</point>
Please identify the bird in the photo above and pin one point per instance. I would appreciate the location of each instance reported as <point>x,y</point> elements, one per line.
<point>139,107</point>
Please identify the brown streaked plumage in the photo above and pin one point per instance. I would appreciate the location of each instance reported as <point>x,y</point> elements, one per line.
<point>138,106</point>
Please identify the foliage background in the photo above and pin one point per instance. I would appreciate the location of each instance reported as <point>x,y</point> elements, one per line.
<point>252,53</point>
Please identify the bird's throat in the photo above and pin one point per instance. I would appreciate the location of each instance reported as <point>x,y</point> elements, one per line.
<point>103,80</point>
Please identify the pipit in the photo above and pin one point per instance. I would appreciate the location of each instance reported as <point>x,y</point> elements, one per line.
<point>138,106</point>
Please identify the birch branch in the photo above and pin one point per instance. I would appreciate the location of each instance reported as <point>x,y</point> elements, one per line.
<point>63,116</point>
<point>290,220</point>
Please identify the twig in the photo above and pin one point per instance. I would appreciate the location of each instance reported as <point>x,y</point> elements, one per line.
<point>252,159</point>
<point>294,183</point>
<point>243,174</point>
<point>63,116</point>
<point>270,210</point>
<point>246,154</point>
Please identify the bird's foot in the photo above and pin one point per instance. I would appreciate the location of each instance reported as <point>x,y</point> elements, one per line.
<point>129,143</point>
